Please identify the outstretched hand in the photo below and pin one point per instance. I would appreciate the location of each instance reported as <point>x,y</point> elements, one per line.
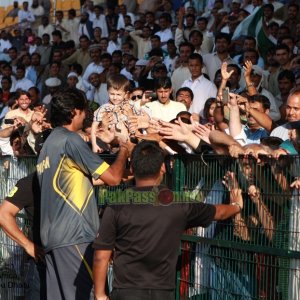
<point>247,68</point>
<point>225,74</point>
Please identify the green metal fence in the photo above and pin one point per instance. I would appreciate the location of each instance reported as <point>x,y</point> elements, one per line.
<point>253,256</point>
<point>13,261</point>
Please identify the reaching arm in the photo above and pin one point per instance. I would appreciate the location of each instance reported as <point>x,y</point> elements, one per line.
<point>249,84</point>
<point>224,144</point>
<point>114,174</point>
<point>224,211</point>
<point>100,265</point>
<point>180,132</point>
<point>235,126</point>
<point>265,217</point>
<point>225,76</point>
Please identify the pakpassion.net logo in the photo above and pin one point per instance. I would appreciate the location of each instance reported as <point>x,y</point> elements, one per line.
<point>158,195</point>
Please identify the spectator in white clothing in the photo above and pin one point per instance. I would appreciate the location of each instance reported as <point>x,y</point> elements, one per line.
<point>114,42</point>
<point>45,27</point>
<point>100,20</point>
<point>25,16</point>
<point>213,61</point>
<point>22,83</point>
<point>201,87</point>
<point>122,14</point>
<point>94,67</point>
<point>165,32</point>
<point>292,114</point>
<point>165,108</point>
<point>143,40</point>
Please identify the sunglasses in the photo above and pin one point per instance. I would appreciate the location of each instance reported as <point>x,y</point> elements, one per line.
<point>136,97</point>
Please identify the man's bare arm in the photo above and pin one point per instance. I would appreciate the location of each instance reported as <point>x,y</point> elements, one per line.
<point>114,174</point>
<point>8,212</point>
<point>100,265</point>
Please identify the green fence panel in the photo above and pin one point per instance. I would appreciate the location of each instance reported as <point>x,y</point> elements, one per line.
<point>253,256</point>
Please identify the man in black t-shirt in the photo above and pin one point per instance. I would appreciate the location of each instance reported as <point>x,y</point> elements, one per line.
<point>146,236</point>
<point>26,194</point>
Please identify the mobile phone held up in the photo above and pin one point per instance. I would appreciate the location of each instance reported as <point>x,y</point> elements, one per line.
<point>225,95</point>
<point>9,121</point>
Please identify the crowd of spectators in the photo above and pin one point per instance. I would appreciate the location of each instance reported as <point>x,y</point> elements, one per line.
<point>198,48</point>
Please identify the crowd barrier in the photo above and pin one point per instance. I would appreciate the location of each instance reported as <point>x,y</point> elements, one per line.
<point>255,255</point>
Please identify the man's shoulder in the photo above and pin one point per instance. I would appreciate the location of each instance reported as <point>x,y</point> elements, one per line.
<point>281,131</point>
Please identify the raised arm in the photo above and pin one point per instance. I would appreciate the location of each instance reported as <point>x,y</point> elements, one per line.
<point>225,76</point>
<point>251,89</point>
<point>235,126</point>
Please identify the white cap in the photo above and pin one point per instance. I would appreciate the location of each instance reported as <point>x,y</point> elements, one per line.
<point>53,82</point>
<point>257,70</point>
<point>72,74</point>
<point>141,62</point>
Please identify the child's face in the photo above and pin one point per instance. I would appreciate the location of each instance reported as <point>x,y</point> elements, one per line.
<point>116,96</point>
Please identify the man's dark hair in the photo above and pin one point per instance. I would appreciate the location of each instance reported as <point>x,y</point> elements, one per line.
<point>106,56</point>
<point>156,52</point>
<point>57,33</point>
<point>6,65</point>
<point>35,89</point>
<point>70,44</point>
<point>286,37</point>
<point>269,5</point>
<point>7,78</point>
<point>250,50</point>
<point>222,35</point>
<point>77,67</point>
<point>63,105</point>
<point>171,42</point>
<point>117,52</point>
<point>162,82</point>
<point>294,5</point>
<point>203,19</point>
<point>21,67</point>
<point>149,13</point>
<point>84,37</point>
<point>185,89</point>
<point>36,54</point>
<point>72,12</point>
<point>239,71</point>
<point>282,47</point>
<point>196,56</point>
<point>287,74</point>
<point>146,159</point>
<point>195,31</point>
<point>190,16</point>
<point>155,36</point>
<point>13,48</point>
<point>250,38</point>
<point>187,44</point>
<point>261,99</point>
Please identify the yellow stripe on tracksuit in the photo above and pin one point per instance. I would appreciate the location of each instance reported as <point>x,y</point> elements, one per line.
<point>85,262</point>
